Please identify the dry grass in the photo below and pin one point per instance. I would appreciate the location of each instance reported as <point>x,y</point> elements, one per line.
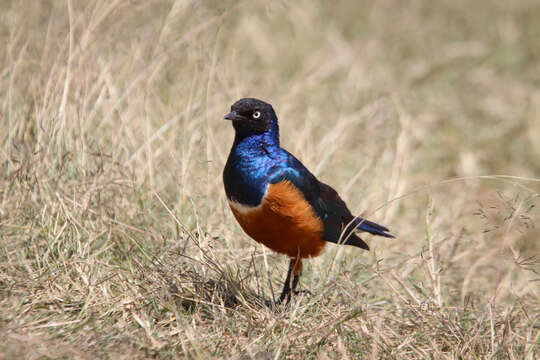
<point>116,241</point>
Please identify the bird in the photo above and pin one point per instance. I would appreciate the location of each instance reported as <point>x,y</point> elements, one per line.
<point>277,201</point>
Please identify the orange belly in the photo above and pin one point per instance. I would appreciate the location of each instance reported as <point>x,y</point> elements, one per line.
<point>284,222</point>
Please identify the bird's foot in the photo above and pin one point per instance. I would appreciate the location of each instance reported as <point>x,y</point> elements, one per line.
<point>286,296</point>
<point>298,292</point>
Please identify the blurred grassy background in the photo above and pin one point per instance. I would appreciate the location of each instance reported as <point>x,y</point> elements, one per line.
<point>116,237</point>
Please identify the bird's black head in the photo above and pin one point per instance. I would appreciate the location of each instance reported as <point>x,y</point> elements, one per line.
<point>251,115</point>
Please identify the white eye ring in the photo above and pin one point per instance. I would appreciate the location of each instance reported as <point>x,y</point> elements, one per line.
<point>256,114</point>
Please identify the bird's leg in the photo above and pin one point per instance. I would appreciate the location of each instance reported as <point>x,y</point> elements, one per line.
<point>294,283</point>
<point>295,268</point>
<point>286,292</point>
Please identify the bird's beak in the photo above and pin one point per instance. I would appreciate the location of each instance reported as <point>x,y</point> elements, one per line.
<point>232,116</point>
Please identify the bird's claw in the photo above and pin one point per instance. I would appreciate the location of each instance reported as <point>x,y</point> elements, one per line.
<point>298,292</point>
<point>287,296</point>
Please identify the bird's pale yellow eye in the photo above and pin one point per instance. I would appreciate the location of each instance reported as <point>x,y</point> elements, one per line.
<point>256,114</point>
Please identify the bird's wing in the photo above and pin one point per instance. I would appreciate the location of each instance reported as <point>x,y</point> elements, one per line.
<point>339,223</point>
<point>324,200</point>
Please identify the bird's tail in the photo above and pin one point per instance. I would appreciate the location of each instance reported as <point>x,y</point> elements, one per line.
<point>371,227</point>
